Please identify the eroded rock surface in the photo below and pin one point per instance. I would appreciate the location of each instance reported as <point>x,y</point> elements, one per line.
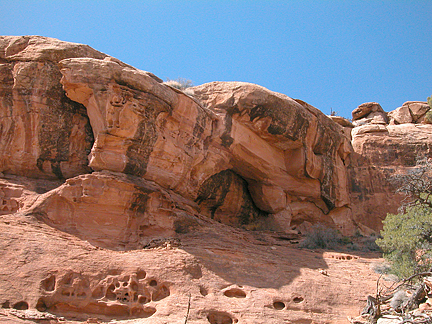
<point>237,149</point>
<point>124,212</point>
<point>43,133</point>
<point>382,151</point>
<point>222,273</point>
<point>113,187</point>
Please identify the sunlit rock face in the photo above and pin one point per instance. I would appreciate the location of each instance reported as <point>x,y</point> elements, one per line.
<point>122,197</point>
<point>235,152</point>
<point>292,156</point>
<point>43,133</point>
<point>384,148</point>
<point>279,151</point>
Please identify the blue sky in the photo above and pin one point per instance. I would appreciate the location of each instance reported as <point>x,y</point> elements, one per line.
<point>334,55</point>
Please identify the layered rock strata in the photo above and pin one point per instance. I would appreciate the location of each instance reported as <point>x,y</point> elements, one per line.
<point>43,133</point>
<point>240,154</point>
<point>121,162</point>
<point>385,145</point>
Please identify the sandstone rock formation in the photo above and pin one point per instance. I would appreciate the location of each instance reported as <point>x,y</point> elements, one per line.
<point>410,112</point>
<point>225,275</point>
<point>238,150</point>
<point>43,133</point>
<point>114,186</point>
<point>381,151</point>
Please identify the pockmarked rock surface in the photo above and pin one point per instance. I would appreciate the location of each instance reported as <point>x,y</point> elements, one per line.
<point>223,275</point>
<point>122,198</point>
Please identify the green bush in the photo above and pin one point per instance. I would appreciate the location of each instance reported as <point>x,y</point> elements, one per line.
<point>407,240</point>
<point>428,117</point>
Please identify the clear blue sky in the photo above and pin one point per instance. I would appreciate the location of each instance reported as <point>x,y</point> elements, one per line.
<point>331,54</point>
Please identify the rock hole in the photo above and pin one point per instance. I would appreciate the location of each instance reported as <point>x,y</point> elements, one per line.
<point>135,298</point>
<point>278,305</point>
<point>81,295</point>
<point>143,299</point>
<point>141,274</point>
<point>66,293</point>
<point>110,295</point>
<point>142,312</point>
<point>111,287</point>
<point>153,283</point>
<point>235,293</point>
<point>125,284</point>
<point>298,299</point>
<point>67,280</point>
<point>117,284</point>
<point>134,286</point>
<point>220,318</point>
<point>98,292</point>
<point>6,304</point>
<point>161,293</point>
<point>203,291</point>
<point>40,305</point>
<point>125,278</point>
<point>48,284</point>
<point>22,305</point>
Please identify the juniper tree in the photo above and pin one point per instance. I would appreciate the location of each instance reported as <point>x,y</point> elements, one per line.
<point>407,236</point>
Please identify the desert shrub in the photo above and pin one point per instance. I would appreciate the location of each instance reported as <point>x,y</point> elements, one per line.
<point>381,267</point>
<point>179,83</point>
<point>428,117</point>
<point>370,245</point>
<point>407,240</point>
<point>321,237</point>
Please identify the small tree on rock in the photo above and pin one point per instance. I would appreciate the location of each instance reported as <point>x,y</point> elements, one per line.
<point>407,241</point>
<point>407,236</point>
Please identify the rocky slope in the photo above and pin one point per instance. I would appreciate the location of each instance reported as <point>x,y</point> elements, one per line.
<point>125,198</point>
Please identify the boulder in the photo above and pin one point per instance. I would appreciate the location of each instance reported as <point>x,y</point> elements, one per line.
<point>401,115</point>
<point>410,112</point>
<point>370,128</point>
<point>345,123</point>
<point>185,144</point>
<point>341,121</point>
<point>418,109</point>
<point>365,109</point>
<point>378,117</point>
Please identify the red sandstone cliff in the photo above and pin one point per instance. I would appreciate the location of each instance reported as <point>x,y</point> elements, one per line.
<point>106,158</point>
